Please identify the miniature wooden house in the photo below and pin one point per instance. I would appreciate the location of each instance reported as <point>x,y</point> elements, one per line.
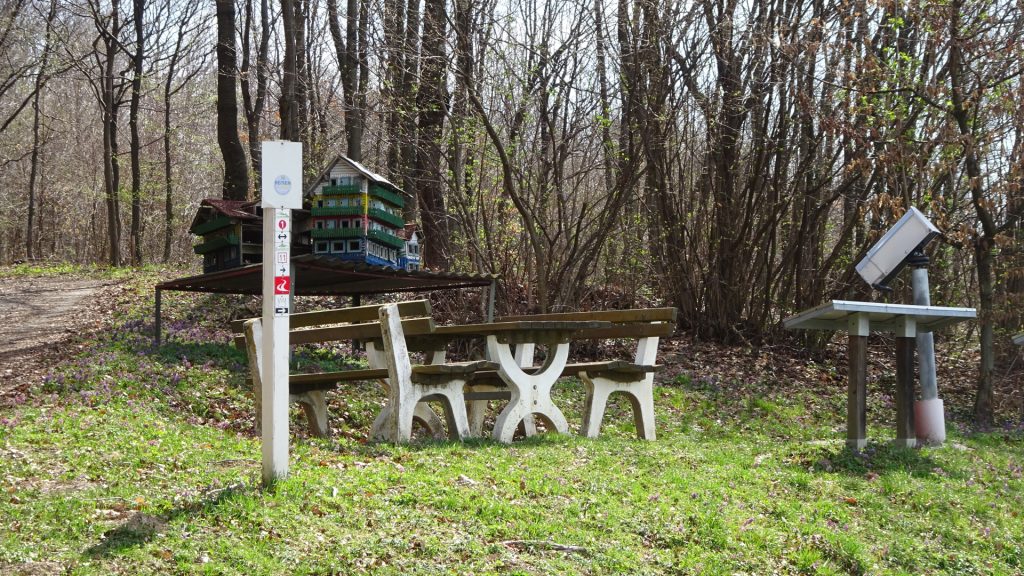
<point>231,231</point>
<point>409,258</point>
<point>356,215</point>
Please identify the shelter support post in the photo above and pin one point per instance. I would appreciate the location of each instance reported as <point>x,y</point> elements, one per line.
<point>157,320</point>
<point>491,295</point>
<point>357,300</point>
<point>857,391</point>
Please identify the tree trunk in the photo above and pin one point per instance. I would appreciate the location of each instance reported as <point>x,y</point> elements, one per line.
<point>431,104</point>
<point>254,103</point>
<point>288,104</point>
<point>34,163</point>
<point>135,227</point>
<point>985,242</point>
<point>236,173</point>
<point>111,170</point>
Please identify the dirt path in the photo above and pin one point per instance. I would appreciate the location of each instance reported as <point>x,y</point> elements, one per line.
<point>38,317</point>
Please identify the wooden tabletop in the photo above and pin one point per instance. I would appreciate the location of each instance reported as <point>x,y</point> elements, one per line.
<point>520,331</point>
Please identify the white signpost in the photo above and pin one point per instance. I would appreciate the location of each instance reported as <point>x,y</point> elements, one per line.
<point>281,192</point>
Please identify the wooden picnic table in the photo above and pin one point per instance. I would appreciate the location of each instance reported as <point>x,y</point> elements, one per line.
<point>530,392</point>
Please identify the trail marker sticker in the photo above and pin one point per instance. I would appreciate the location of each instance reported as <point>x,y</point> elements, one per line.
<point>282,285</point>
<point>280,305</point>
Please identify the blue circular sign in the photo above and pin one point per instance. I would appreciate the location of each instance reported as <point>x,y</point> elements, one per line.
<point>282,185</point>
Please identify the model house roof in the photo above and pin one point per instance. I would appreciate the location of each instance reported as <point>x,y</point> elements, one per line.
<point>242,209</point>
<point>363,170</point>
<point>210,208</point>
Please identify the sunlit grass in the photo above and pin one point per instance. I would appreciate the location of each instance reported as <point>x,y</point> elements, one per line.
<point>135,459</point>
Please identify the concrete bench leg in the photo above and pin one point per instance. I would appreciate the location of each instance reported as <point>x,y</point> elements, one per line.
<point>314,405</point>
<point>423,414</point>
<point>641,398</point>
<point>404,396</point>
<point>453,399</point>
<point>477,409</point>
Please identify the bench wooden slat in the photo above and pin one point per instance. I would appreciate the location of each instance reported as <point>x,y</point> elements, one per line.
<point>454,368</point>
<point>491,377</point>
<point>626,331</point>
<point>356,331</point>
<point>367,331</point>
<point>667,314</point>
<point>412,308</point>
<point>358,374</point>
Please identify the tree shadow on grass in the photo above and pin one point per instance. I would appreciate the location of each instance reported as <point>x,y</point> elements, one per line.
<point>140,528</point>
<point>878,458</point>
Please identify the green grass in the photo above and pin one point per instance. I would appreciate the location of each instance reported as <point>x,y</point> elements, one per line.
<point>138,460</point>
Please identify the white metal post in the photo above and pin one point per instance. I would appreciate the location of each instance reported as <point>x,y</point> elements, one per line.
<point>281,191</point>
<point>275,344</point>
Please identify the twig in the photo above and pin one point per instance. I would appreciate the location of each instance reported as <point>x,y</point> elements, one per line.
<point>545,544</point>
<point>234,461</point>
<point>215,493</point>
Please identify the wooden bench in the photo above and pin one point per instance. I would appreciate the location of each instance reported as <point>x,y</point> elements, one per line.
<point>601,379</point>
<point>412,384</point>
<point>343,324</point>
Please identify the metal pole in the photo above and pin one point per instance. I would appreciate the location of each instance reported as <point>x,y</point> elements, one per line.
<point>929,414</point>
<point>925,340</point>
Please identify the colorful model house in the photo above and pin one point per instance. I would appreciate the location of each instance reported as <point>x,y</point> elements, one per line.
<point>409,258</point>
<point>231,233</point>
<point>356,215</point>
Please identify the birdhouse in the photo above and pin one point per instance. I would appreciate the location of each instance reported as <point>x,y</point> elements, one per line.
<point>356,215</point>
<point>231,233</point>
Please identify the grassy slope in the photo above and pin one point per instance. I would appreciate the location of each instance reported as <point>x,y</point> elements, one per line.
<point>136,460</point>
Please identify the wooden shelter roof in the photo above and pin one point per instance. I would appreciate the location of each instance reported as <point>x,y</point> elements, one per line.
<point>323,276</point>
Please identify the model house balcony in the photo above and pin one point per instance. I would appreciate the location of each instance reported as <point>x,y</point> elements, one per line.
<point>387,196</point>
<point>216,243</point>
<point>346,189</point>
<point>387,217</point>
<point>386,239</point>
<point>322,233</point>
<point>211,225</point>
<point>337,211</point>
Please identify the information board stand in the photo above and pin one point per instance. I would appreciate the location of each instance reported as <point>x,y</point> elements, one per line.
<point>858,319</point>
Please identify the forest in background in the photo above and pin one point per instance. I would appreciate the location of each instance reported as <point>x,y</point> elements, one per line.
<point>733,158</point>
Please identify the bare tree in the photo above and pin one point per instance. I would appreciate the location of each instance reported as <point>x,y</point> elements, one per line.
<point>236,172</point>
<point>254,95</point>
<point>41,78</point>
<point>190,27</point>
